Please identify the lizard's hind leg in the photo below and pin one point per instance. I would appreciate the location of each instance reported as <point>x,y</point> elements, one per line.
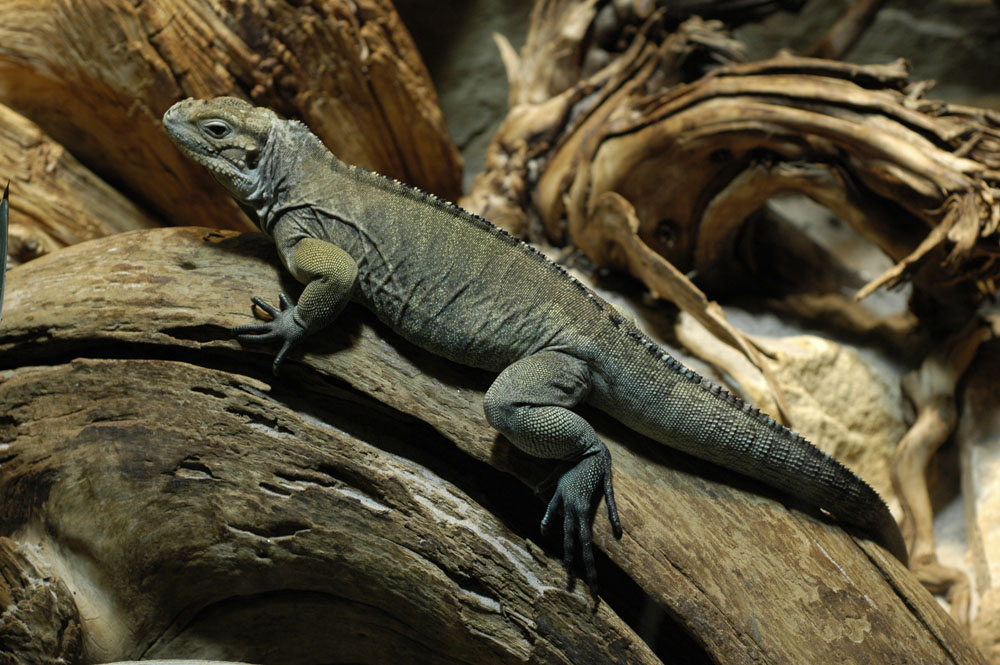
<point>530,404</point>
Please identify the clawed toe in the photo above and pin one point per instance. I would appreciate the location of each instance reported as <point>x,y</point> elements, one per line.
<point>577,494</point>
<point>280,327</point>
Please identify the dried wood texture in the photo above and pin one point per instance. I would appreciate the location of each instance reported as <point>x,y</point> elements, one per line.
<point>931,391</point>
<point>568,41</point>
<point>694,159</point>
<point>39,622</point>
<point>231,527</point>
<point>979,443</point>
<point>918,184</point>
<point>213,485</point>
<point>97,77</point>
<point>57,201</point>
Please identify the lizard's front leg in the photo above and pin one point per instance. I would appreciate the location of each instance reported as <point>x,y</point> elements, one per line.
<point>530,404</point>
<point>330,275</point>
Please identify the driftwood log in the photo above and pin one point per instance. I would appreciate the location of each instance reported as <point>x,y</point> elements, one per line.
<point>174,499</point>
<point>695,157</point>
<point>57,201</point>
<point>931,390</point>
<point>97,77</point>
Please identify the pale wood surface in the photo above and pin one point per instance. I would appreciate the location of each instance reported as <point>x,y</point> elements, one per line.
<point>160,470</point>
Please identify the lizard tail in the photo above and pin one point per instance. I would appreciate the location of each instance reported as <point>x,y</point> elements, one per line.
<point>788,462</point>
<point>830,485</point>
<point>886,531</point>
<point>705,420</point>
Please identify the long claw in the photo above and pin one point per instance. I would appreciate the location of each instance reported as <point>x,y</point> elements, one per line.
<point>281,356</point>
<point>251,329</point>
<point>268,307</point>
<point>609,499</point>
<point>567,540</point>
<point>554,504</point>
<point>256,339</point>
<point>587,552</point>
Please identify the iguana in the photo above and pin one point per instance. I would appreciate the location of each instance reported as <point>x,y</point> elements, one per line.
<point>454,284</point>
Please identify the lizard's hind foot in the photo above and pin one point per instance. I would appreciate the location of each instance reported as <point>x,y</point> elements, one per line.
<point>578,492</point>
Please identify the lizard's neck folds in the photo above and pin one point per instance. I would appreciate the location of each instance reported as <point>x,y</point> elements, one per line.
<point>263,197</point>
<point>288,146</point>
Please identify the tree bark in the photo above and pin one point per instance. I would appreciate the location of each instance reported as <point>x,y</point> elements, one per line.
<point>165,478</point>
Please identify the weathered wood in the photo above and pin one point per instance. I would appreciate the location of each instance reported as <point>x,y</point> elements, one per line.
<point>56,200</point>
<point>978,443</point>
<point>750,579</point>
<point>39,622</point>
<point>737,129</point>
<point>696,157</point>
<point>97,77</point>
<point>931,392</point>
<point>191,513</point>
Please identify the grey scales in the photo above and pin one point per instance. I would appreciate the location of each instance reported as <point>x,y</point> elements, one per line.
<point>458,286</point>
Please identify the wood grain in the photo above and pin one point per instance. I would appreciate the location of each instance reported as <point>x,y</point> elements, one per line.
<point>97,77</point>
<point>56,200</point>
<point>180,475</point>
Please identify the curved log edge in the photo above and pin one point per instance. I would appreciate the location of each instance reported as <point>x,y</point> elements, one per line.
<point>748,578</point>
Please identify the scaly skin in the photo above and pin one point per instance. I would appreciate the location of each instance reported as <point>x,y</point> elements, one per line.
<point>458,286</point>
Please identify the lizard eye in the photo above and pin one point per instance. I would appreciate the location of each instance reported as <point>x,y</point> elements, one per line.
<point>216,128</point>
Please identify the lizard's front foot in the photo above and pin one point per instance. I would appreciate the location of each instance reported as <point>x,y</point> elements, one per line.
<point>281,327</point>
<point>577,493</point>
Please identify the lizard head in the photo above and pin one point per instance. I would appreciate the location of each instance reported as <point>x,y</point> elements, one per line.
<point>226,135</point>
